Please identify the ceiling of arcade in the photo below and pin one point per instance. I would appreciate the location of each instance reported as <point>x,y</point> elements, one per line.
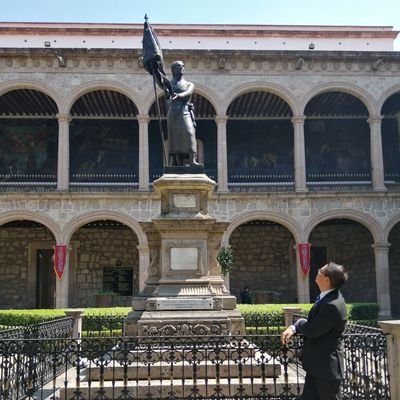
<point>255,104</point>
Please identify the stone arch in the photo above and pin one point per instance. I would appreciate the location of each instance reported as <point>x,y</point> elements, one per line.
<point>394,220</point>
<point>371,224</point>
<point>81,220</point>
<point>27,84</point>
<point>389,92</point>
<point>277,90</point>
<point>288,222</point>
<point>365,97</point>
<point>99,85</point>
<point>392,244</point>
<point>45,220</point>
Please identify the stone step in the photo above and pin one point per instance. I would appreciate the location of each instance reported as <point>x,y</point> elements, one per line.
<point>160,389</point>
<point>180,370</point>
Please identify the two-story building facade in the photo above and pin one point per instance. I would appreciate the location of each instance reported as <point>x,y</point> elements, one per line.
<point>298,126</point>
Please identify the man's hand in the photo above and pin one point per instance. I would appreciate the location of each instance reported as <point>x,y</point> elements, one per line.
<point>286,335</point>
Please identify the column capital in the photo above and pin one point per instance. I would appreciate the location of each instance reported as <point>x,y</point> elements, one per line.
<point>143,249</point>
<point>381,246</point>
<point>298,119</point>
<point>143,118</point>
<point>64,118</point>
<point>221,119</point>
<point>374,119</point>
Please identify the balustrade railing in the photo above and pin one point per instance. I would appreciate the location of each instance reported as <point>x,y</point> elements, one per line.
<point>27,180</point>
<point>239,180</point>
<point>259,175</point>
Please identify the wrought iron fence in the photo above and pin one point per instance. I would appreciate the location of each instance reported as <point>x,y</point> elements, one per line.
<point>103,325</point>
<point>366,372</point>
<point>58,328</point>
<point>240,367</point>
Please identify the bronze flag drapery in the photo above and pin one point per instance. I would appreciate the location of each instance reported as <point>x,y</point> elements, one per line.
<point>153,63</point>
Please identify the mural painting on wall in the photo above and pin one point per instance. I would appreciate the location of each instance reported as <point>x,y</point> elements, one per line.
<point>104,147</point>
<point>27,147</point>
<point>337,146</point>
<point>391,146</point>
<point>269,145</point>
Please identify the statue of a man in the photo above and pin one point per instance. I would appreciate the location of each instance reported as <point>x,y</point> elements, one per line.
<point>180,118</point>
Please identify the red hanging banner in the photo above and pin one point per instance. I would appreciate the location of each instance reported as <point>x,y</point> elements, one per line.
<point>60,255</point>
<point>304,256</point>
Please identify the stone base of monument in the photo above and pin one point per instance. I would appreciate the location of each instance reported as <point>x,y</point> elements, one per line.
<point>186,316</point>
<point>184,292</point>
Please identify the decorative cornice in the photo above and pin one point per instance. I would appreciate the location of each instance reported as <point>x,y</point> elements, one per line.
<point>256,62</point>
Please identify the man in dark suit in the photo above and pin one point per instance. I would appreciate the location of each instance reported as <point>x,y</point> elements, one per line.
<point>322,352</point>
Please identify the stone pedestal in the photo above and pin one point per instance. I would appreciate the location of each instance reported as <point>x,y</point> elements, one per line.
<point>185,293</point>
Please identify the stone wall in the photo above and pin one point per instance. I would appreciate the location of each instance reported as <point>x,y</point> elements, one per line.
<point>350,245</point>
<point>99,248</point>
<point>394,270</point>
<point>16,279</point>
<point>265,262</point>
<point>95,249</point>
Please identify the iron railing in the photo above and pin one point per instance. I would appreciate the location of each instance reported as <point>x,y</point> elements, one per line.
<point>102,325</point>
<point>57,328</point>
<point>212,367</point>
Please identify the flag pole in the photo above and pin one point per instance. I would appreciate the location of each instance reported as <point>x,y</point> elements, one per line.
<point>160,122</point>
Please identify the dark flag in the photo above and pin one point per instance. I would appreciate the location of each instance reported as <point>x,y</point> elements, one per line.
<point>153,61</point>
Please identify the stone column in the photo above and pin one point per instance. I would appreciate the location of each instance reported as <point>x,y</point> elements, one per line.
<point>299,153</point>
<point>289,314</point>
<point>378,182</point>
<point>303,289</point>
<point>392,329</point>
<point>76,314</point>
<point>303,285</point>
<point>62,285</point>
<point>222,158</point>
<point>382,278</point>
<point>63,151</point>
<point>143,121</point>
<point>144,262</point>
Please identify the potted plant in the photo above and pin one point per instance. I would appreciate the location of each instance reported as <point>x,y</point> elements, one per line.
<point>225,259</point>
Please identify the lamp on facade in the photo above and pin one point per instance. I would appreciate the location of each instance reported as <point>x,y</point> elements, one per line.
<point>311,46</point>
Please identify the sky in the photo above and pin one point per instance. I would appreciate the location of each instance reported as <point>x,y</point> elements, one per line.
<point>265,12</point>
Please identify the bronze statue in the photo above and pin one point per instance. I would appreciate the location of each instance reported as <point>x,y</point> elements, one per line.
<point>180,119</point>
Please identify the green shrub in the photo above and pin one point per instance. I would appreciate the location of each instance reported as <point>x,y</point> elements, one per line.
<point>259,318</point>
<point>269,318</point>
<point>363,311</point>
<point>15,318</point>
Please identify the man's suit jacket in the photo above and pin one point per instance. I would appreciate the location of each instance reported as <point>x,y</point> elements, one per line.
<point>322,352</point>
